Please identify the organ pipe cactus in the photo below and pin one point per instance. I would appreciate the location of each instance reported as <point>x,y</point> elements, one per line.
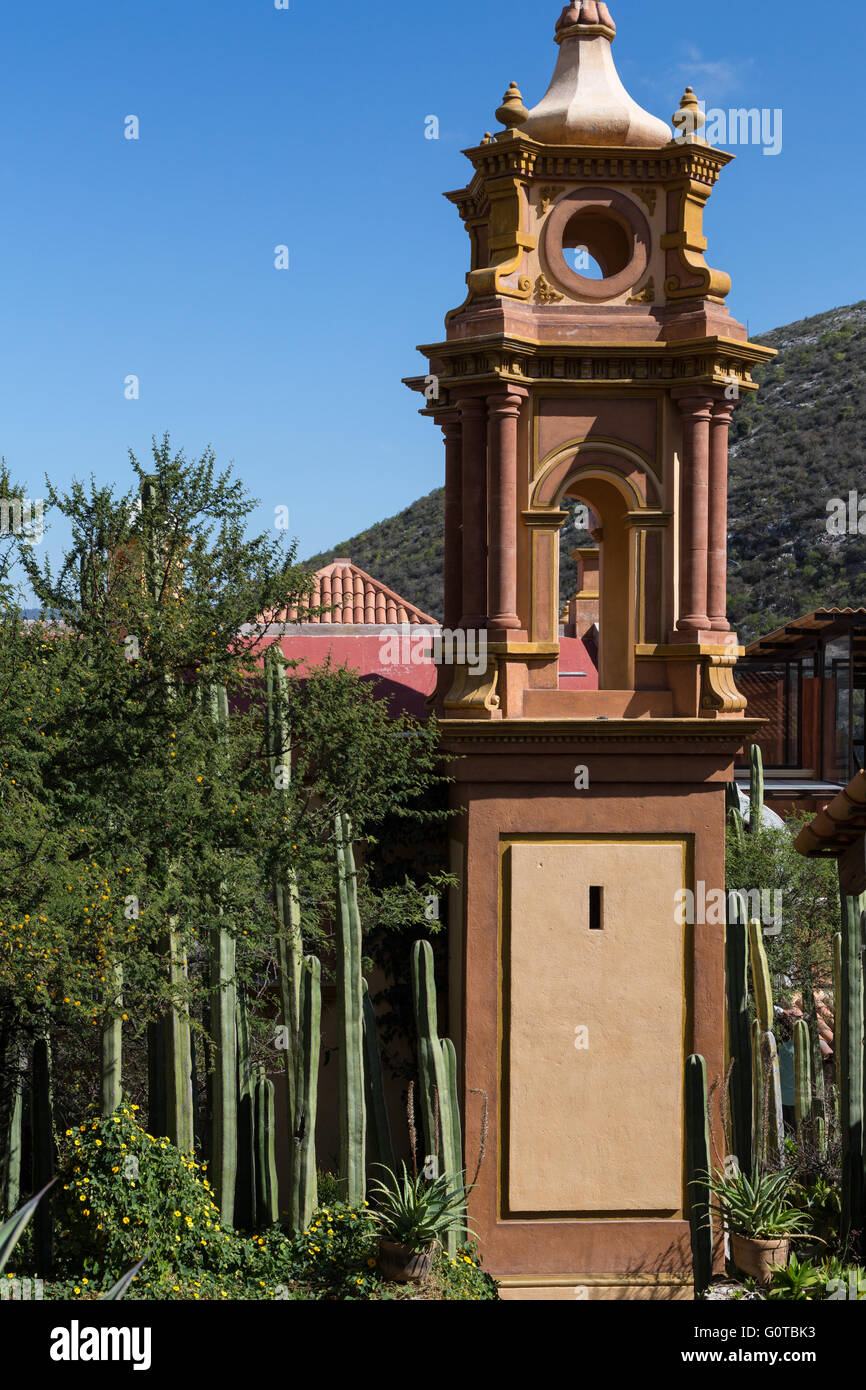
<point>737,824</point>
<point>758,1145</point>
<point>290,954</point>
<point>437,1067</point>
<point>848,1039</point>
<point>350,1020</point>
<point>761,976</point>
<point>698,1165</point>
<point>739,1032</point>
<point>224,1038</point>
<point>245,1185</point>
<point>13,1071</point>
<point>772,1116</point>
<point>379,1126</point>
<point>112,1048</point>
<point>44,1155</point>
<point>756,789</point>
<point>304,1194</point>
<point>803,1079</point>
<point>267,1192</point>
<point>224,1088</point>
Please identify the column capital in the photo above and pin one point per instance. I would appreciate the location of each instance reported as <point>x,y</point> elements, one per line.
<point>692,405</point>
<point>507,402</point>
<point>472,405</point>
<point>450,424</point>
<point>723,412</point>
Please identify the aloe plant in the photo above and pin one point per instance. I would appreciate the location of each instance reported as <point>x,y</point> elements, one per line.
<point>755,1207</point>
<point>415,1212</point>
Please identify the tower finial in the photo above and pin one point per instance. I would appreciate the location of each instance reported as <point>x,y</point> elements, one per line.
<point>689,119</point>
<point>586,103</point>
<point>512,112</point>
<point>588,15</point>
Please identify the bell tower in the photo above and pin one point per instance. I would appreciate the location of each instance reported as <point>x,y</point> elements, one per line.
<point>593,359</point>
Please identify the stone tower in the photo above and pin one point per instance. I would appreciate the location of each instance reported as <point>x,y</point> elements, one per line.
<point>577,991</point>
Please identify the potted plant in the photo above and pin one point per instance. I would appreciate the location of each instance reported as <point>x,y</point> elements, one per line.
<point>759,1217</point>
<point>413,1216</point>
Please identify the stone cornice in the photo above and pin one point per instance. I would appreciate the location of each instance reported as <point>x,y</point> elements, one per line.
<point>712,361</point>
<point>570,732</point>
<point>521,157</point>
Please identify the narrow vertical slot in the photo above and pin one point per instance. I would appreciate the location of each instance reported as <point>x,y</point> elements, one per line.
<point>596,909</point>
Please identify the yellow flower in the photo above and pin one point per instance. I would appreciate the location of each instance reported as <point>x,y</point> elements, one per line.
<point>126,1221</point>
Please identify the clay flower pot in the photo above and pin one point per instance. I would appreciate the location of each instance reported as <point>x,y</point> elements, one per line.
<point>758,1258</point>
<point>403,1265</point>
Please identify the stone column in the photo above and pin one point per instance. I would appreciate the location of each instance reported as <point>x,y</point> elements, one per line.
<point>503,413</point>
<point>717,560</point>
<point>473,449</point>
<point>697,413</point>
<point>453,430</point>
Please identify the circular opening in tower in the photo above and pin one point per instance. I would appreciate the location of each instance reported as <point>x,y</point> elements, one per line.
<point>597,244</point>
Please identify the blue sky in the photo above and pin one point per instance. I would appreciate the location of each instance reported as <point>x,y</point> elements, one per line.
<point>306,127</point>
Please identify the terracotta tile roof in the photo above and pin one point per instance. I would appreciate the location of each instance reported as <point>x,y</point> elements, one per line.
<point>839,824</point>
<point>354,598</point>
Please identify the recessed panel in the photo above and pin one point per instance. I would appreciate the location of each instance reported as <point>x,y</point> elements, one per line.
<point>594,1013</point>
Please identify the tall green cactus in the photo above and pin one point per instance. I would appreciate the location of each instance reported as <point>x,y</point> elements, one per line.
<point>223,1030</point>
<point>267,1187</point>
<point>290,951</point>
<point>437,1067</point>
<point>737,824</point>
<point>379,1125</point>
<point>763,985</point>
<point>304,1189</point>
<point>739,1032</point>
<point>245,1184</point>
<point>772,1100</point>
<point>803,1079</point>
<point>180,1120</point>
<point>758,1145</point>
<point>44,1154</point>
<point>849,1061</point>
<point>350,1018</point>
<point>756,789</point>
<point>224,1086</point>
<point>12,1085</point>
<point>698,1164</point>
<point>112,1047</point>
<point>819,1095</point>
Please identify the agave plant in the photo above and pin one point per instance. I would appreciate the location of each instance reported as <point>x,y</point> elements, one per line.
<point>417,1212</point>
<point>756,1208</point>
<point>798,1280</point>
<point>13,1229</point>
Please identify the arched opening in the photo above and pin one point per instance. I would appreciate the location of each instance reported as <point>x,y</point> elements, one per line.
<point>616,586</point>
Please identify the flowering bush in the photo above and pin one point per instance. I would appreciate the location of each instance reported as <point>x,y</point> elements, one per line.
<point>123,1192</point>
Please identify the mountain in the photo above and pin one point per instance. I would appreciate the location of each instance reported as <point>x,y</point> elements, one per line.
<point>795,446</point>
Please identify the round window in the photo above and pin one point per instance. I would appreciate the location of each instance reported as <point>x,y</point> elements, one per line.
<point>596,243</point>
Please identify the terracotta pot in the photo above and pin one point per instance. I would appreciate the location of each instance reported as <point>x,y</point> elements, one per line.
<point>758,1258</point>
<point>403,1265</point>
